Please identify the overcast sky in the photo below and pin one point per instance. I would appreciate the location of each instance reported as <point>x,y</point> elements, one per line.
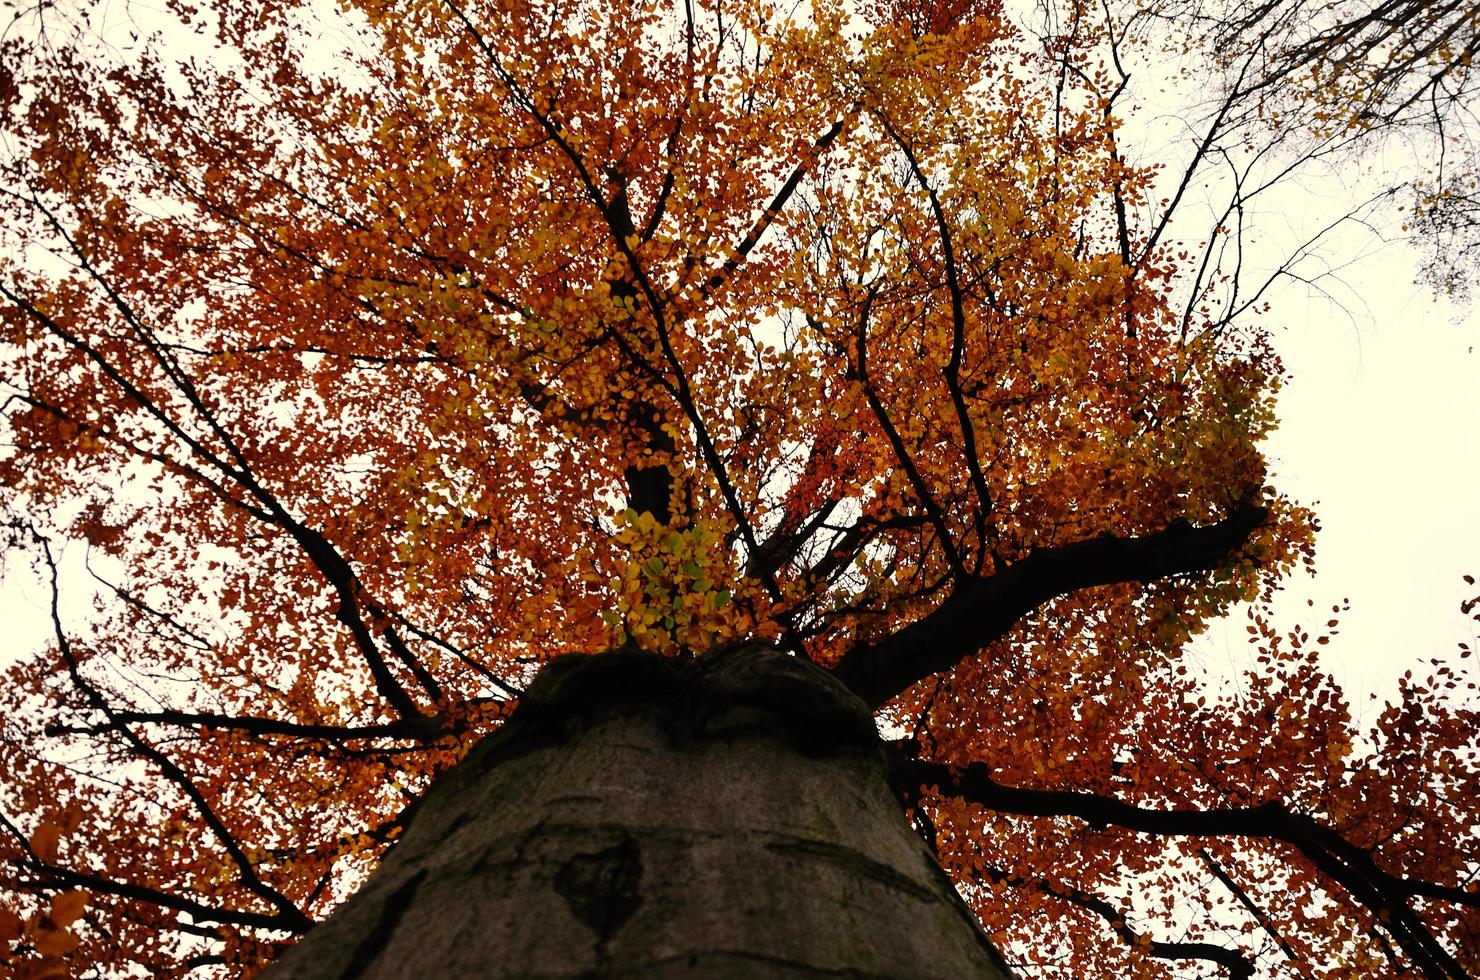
<point>1379,433</point>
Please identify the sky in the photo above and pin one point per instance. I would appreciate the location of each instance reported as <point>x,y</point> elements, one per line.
<point>1378,415</point>
<point>1379,435</point>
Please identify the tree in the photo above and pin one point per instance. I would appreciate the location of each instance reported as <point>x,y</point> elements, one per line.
<point>741,343</point>
<point>1364,74</point>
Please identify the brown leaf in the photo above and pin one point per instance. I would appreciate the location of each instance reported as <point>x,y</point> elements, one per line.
<point>44,841</point>
<point>10,925</point>
<point>67,906</point>
<point>55,942</point>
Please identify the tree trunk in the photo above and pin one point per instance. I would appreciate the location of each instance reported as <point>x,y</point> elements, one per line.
<point>727,816</point>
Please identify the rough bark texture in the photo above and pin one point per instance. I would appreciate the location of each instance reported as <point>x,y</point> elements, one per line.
<point>724,817</point>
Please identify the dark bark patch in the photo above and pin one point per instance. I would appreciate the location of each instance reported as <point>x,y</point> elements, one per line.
<point>601,888</point>
<point>749,963</point>
<point>721,694</point>
<point>385,927</point>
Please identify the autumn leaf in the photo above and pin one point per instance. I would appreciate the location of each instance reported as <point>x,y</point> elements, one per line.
<point>67,906</point>
<point>54,942</point>
<point>10,925</point>
<point>44,841</point>
<point>344,394</point>
<point>46,968</point>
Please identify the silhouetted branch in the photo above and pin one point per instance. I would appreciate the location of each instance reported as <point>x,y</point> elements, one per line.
<point>1238,966</point>
<point>983,610</point>
<point>288,915</point>
<point>245,724</point>
<point>1354,869</point>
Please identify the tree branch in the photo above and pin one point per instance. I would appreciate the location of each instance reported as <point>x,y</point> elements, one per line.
<point>288,915</point>
<point>1236,963</point>
<point>247,724</point>
<point>1243,898</point>
<point>67,878</point>
<point>1383,894</point>
<point>983,610</point>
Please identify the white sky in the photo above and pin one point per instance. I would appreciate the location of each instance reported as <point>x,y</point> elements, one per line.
<point>1380,434</point>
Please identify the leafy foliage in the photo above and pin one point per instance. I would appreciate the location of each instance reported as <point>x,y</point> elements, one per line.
<point>380,355</point>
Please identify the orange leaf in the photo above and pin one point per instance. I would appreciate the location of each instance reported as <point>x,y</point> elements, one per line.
<point>44,841</point>
<point>66,907</point>
<point>55,942</point>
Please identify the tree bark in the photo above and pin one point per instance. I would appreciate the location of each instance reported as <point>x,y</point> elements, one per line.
<point>727,816</point>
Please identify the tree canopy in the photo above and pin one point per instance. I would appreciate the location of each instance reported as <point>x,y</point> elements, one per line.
<point>379,355</point>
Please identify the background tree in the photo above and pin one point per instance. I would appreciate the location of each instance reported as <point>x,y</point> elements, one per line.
<point>1391,81</point>
<point>1390,67</point>
<point>382,356</point>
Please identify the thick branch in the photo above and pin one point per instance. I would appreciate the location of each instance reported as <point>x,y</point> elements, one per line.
<point>55,876</point>
<point>983,610</point>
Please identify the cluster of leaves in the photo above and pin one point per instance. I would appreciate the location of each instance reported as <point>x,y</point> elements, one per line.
<point>47,934</point>
<point>666,598</point>
<point>1337,828</point>
<point>371,381</point>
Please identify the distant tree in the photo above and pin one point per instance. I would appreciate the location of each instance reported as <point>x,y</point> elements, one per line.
<point>1361,75</point>
<point>806,370</point>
